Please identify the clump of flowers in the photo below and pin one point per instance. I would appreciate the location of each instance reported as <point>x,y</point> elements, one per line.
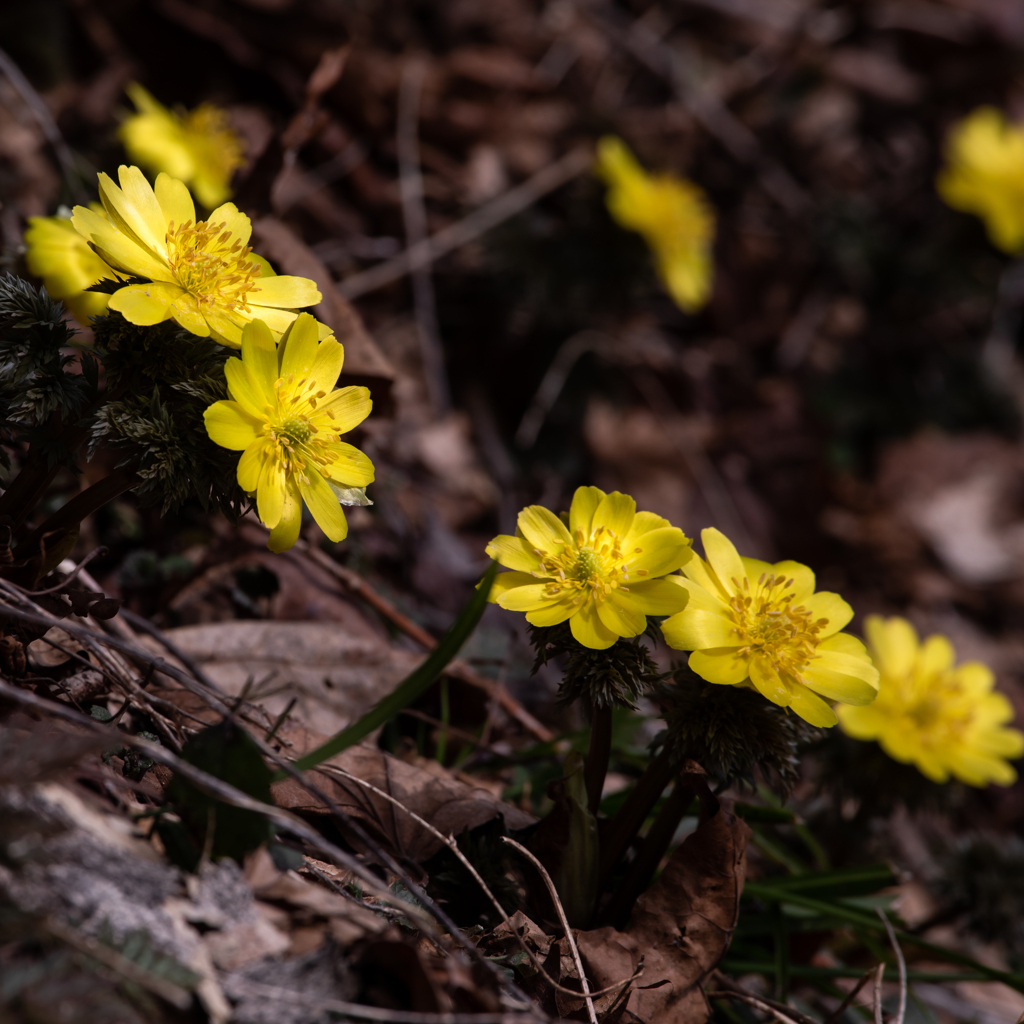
<point>751,623</point>
<point>603,570</point>
<point>200,273</point>
<point>984,175</point>
<point>942,717</point>
<point>198,146</point>
<point>58,254</point>
<point>285,416</point>
<point>672,214</point>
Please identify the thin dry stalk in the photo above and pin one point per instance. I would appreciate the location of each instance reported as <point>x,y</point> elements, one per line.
<point>900,963</point>
<point>850,996</point>
<point>564,921</point>
<point>758,1004</point>
<point>876,995</point>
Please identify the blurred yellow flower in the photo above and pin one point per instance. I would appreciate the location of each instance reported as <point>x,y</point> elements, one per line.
<point>984,175</point>
<point>749,620</point>
<point>285,417</point>
<point>62,258</point>
<point>941,717</point>
<point>198,147</point>
<point>202,274</point>
<point>600,570</point>
<point>673,215</point>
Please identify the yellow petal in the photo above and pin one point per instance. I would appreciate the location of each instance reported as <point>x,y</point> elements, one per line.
<point>976,678</point>
<point>226,327</point>
<point>862,723</point>
<point>134,209</point>
<point>286,533</point>
<point>121,250</point>
<point>844,643</point>
<point>755,568</point>
<point>250,465</point>
<point>825,605</point>
<point>525,597</point>
<point>236,223</point>
<point>643,522</point>
<point>588,629</point>
<point>327,365</point>
<point>581,512</point>
<point>768,682</point>
<point>802,577</point>
<point>298,347</point>
<point>893,644</point>
<point>551,614</point>
<point>543,530</point>
<point>620,615</point>
<point>506,581</point>
<point>812,708</point>
<point>698,571</point>
<point>175,202</point>
<point>344,409</point>
<point>842,677</point>
<point>270,492</point>
<point>259,353</point>
<point>696,629</point>
<point>185,312</point>
<point>658,552</point>
<point>245,389</point>
<point>231,427</point>
<point>658,597</point>
<point>351,467</point>
<point>935,656</point>
<point>724,665</point>
<point>285,292</point>
<point>327,511</point>
<point>723,559</point>
<point>513,552</point>
<point>615,512</point>
<point>145,304</point>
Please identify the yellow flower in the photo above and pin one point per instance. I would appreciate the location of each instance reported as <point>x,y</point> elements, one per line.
<point>202,274</point>
<point>600,571</point>
<point>673,215</point>
<point>942,717</point>
<point>984,175</point>
<point>198,147</point>
<point>747,619</point>
<point>62,258</point>
<point>285,417</point>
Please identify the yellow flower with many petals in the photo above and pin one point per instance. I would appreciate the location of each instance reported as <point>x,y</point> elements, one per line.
<point>202,274</point>
<point>198,146</point>
<point>62,258</point>
<point>943,718</point>
<point>748,620</point>
<point>984,175</point>
<point>601,570</point>
<point>285,417</point>
<point>672,214</point>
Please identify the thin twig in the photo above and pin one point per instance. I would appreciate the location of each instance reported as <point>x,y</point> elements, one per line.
<point>414,216</point>
<point>730,987</point>
<point>759,1004</point>
<point>564,921</point>
<point>876,993</point>
<point>41,112</point>
<point>71,575</point>
<point>480,221</point>
<point>900,963</point>
<point>450,842</point>
<point>850,996</point>
<point>170,646</point>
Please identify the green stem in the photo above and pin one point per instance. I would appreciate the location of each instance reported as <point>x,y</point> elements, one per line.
<point>654,847</point>
<point>628,822</point>
<point>598,756</point>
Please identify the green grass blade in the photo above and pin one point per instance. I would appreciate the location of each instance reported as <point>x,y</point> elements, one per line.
<point>412,687</point>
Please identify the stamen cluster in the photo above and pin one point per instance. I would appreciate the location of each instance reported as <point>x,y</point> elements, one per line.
<point>211,264</point>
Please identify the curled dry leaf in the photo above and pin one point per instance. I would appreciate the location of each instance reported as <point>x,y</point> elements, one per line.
<point>681,927</point>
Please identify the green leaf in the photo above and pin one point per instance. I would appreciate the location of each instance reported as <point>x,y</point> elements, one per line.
<point>414,686</point>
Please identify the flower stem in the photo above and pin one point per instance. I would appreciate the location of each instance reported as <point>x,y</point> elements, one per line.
<point>655,844</point>
<point>598,756</point>
<point>627,823</point>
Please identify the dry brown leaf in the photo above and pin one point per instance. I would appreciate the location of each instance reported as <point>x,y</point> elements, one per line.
<point>448,804</point>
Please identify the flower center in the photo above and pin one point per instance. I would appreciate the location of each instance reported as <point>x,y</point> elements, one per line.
<point>301,435</point>
<point>587,567</point>
<point>210,264</point>
<point>298,431</point>
<point>588,564</point>
<point>770,627</point>
<point>208,132</point>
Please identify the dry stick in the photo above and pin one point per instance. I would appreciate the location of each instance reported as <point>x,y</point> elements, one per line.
<point>74,572</point>
<point>901,964</point>
<point>414,216</point>
<point>553,892</point>
<point>360,1011</point>
<point>480,221</point>
<point>457,668</point>
<point>850,996</point>
<point>877,993</point>
<point>759,1004</point>
<point>41,112</point>
<point>170,646</point>
<point>450,842</point>
<point>226,794</point>
<point>731,986</point>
